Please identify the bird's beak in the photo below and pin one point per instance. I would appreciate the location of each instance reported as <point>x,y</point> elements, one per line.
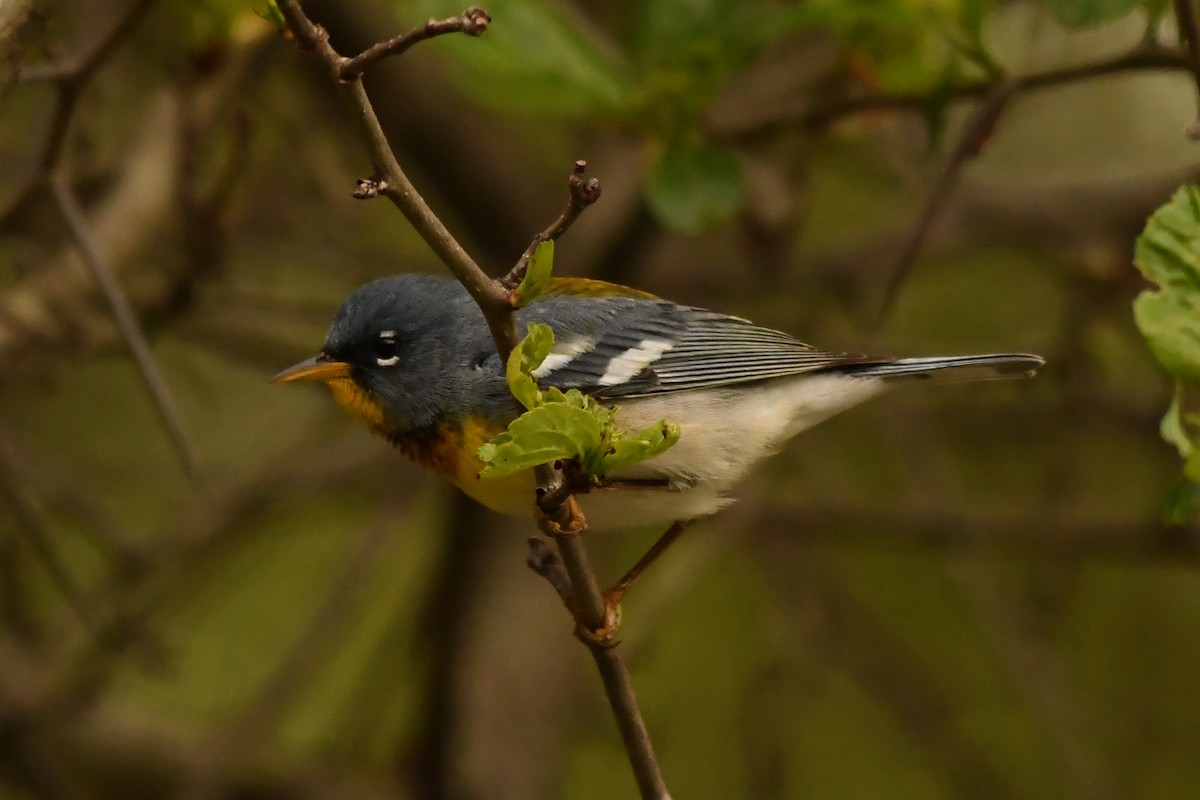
<point>318,368</point>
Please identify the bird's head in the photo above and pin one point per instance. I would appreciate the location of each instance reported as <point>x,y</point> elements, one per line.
<point>388,357</point>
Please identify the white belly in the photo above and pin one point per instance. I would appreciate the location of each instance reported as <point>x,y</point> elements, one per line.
<point>723,434</point>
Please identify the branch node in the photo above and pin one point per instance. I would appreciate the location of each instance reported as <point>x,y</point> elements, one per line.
<point>369,188</point>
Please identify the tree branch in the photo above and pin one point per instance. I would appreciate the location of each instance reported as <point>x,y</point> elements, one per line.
<point>473,22</point>
<point>582,193</point>
<point>565,523</point>
<point>566,526</point>
<point>974,136</point>
<point>1141,59</point>
<point>396,186</point>
<point>127,324</point>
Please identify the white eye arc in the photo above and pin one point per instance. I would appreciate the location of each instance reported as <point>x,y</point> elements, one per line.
<point>386,349</point>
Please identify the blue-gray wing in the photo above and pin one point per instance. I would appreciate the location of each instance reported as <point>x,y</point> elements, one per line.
<point>630,347</point>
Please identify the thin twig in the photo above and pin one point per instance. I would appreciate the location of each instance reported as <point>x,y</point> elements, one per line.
<point>473,22</point>
<point>127,324</point>
<point>805,114</point>
<point>70,79</point>
<point>567,527</point>
<point>1189,32</point>
<point>488,294</point>
<point>29,519</point>
<point>974,136</point>
<point>582,193</point>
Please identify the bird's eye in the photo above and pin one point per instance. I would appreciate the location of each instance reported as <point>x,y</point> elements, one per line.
<point>387,352</point>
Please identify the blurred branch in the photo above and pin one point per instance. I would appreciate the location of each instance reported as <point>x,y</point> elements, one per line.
<point>1189,32</point>
<point>236,742</point>
<point>1152,58</point>
<point>21,24</point>
<point>883,665</point>
<point>70,80</point>
<point>51,310</point>
<point>127,324</point>
<point>970,143</point>
<point>1036,676</point>
<point>37,533</point>
<point>1034,536</point>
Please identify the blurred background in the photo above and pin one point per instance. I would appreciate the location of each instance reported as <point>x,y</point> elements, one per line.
<point>960,592</point>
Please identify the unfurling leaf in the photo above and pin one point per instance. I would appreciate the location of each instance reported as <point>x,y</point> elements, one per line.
<point>537,275</point>
<point>524,359</point>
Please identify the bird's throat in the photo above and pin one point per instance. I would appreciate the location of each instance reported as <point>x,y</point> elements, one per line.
<point>360,406</point>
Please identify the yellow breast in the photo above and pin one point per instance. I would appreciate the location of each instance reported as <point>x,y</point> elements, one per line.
<point>449,450</point>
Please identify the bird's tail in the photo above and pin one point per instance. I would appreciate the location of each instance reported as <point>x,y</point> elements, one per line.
<point>947,368</point>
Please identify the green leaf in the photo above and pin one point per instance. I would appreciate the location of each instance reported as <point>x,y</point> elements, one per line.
<point>1182,505</point>
<point>692,189</point>
<point>537,275</point>
<point>1076,14</point>
<point>1171,324</point>
<point>1168,254</point>
<point>1168,250</point>
<point>524,359</point>
<point>644,446</point>
<point>548,433</point>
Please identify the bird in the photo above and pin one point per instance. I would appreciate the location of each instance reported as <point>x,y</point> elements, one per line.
<point>411,357</point>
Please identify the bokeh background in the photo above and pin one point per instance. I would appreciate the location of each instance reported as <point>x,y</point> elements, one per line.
<point>954,592</point>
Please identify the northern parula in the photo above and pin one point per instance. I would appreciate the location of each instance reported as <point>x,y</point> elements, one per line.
<point>411,357</point>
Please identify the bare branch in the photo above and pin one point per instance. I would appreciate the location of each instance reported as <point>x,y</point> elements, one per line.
<point>70,80</point>
<point>30,520</point>
<point>582,193</point>
<point>488,294</point>
<point>596,628</point>
<point>473,22</point>
<point>21,24</point>
<point>127,324</point>
<point>974,136</point>
<point>805,114</point>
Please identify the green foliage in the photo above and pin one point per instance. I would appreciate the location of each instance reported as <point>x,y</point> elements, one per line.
<point>564,426</point>
<point>661,78</point>
<point>1078,14</point>
<point>537,275</point>
<point>1168,254</point>
<point>691,189</point>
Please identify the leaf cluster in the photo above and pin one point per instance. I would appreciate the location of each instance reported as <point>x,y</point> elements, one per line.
<point>564,426</point>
